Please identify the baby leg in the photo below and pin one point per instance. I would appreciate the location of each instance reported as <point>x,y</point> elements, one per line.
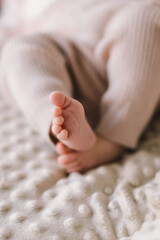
<point>31,68</point>
<point>131,51</point>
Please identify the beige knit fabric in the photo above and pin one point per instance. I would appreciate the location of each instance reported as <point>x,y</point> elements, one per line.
<point>104,53</point>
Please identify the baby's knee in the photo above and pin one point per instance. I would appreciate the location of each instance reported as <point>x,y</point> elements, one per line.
<point>21,49</point>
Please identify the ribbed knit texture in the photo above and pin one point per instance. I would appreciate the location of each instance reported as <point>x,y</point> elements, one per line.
<point>104,53</point>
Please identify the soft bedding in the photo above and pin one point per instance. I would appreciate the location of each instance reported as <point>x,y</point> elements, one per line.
<point>39,201</point>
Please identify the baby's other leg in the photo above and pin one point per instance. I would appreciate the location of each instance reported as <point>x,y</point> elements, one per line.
<point>131,50</point>
<point>31,68</point>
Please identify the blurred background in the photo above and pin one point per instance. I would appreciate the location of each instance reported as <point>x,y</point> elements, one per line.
<point>14,12</point>
<point>16,15</point>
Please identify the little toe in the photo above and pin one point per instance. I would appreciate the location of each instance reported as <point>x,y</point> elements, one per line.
<point>56,129</point>
<point>63,135</point>
<point>59,99</point>
<point>58,120</point>
<point>56,111</point>
<point>61,148</point>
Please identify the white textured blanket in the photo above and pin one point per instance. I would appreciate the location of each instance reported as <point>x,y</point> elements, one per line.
<point>38,201</point>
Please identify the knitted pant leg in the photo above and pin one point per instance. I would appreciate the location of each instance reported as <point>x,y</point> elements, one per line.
<point>131,50</point>
<point>31,68</point>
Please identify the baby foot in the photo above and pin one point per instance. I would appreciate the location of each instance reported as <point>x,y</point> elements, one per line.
<point>69,123</point>
<point>76,161</point>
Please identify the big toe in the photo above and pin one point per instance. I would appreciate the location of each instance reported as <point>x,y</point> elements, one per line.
<point>59,99</point>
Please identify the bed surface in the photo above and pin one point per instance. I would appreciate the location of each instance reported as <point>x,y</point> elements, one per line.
<point>39,201</point>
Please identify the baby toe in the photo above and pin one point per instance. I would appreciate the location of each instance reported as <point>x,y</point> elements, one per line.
<point>56,111</point>
<point>63,135</point>
<point>58,120</point>
<point>59,99</point>
<point>56,129</point>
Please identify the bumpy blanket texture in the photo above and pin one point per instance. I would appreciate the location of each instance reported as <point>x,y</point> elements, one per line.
<point>39,201</point>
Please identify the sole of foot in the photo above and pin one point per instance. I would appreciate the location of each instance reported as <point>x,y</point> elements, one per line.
<point>69,123</point>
